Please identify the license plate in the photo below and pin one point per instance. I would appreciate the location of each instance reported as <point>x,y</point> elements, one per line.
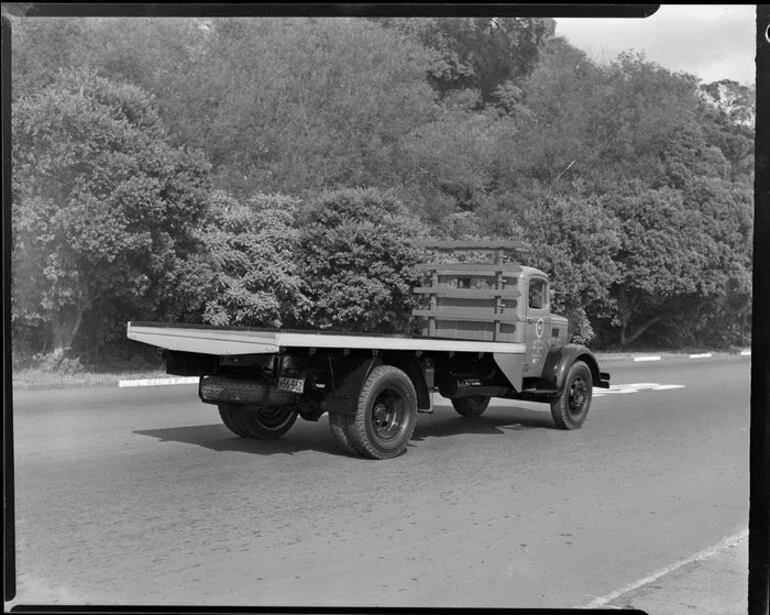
<point>293,385</point>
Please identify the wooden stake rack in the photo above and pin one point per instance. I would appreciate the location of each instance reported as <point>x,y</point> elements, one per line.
<point>457,310</point>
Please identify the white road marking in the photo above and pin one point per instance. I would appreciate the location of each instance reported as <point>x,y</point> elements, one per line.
<point>151,382</point>
<point>703,355</point>
<point>646,358</point>
<point>700,555</point>
<point>624,389</point>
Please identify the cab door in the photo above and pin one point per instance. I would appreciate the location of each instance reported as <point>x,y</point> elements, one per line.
<point>537,331</point>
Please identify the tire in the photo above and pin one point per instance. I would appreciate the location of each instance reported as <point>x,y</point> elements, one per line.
<point>570,409</point>
<point>339,425</point>
<point>471,406</point>
<point>386,414</point>
<point>230,414</point>
<point>264,423</point>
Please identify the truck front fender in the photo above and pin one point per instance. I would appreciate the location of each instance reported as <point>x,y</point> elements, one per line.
<point>561,358</point>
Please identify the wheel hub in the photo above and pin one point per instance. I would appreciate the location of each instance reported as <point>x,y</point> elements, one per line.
<point>387,415</point>
<point>577,396</point>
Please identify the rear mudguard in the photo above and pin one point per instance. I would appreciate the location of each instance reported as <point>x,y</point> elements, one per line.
<point>348,375</point>
<point>561,358</point>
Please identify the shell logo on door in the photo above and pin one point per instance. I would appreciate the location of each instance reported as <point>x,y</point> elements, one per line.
<point>537,343</point>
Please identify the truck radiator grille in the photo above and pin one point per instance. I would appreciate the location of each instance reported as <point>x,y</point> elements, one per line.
<point>220,389</point>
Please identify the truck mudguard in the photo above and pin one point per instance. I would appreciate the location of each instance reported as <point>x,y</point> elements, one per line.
<point>560,359</point>
<point>410,365</point>
<point>348,375</point>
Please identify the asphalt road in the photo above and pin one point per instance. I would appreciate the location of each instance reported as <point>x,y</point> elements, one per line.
<point>141,496</point>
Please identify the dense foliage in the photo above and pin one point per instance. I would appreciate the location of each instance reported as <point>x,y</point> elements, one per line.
<point>104,210</point>
<point>357,260</point>
<point>274,173</point>
<point>254,277</point>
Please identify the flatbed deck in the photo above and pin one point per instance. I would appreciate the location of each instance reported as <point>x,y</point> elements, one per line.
<point>206,339</point>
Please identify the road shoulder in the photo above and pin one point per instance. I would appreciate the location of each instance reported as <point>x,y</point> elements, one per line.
<point>715,583</point>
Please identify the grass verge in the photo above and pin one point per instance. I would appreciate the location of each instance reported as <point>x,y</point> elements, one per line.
<point>31,378</point>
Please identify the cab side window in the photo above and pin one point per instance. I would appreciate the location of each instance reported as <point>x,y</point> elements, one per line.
<point>537,293</point>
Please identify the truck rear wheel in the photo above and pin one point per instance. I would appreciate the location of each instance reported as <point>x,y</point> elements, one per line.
<point>339,425</point>
<point>471,406</point>
<point>386,415</point>
<point>257,422</point>
<point>229,414</point>
<point>570,409</point>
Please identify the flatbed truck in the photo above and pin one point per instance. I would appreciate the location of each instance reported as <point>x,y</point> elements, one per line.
<point>486,332</point>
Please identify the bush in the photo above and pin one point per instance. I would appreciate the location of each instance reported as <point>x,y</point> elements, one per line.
<point>56,363</point>
<point>357,260</point>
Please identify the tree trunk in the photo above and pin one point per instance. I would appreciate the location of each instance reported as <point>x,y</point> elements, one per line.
<point>65,325</point>
<point>630,339</point>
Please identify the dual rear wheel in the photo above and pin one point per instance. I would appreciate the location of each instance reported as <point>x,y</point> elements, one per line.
<point>257,422</point>
<point>383,423</point>
<point>385,416</point>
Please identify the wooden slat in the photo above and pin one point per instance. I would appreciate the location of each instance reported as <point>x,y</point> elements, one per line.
<point>481,245</point>
<point>481,269</point>
<point>466,315</point>
<point>468,293</point>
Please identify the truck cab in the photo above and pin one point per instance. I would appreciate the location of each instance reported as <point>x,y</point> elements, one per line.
<point>500,300</point>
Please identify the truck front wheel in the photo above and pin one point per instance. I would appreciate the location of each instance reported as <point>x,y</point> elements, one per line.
<point>257,422</point>
<point>386,414</point>
<point>471,406</point>
<point>570,409</point>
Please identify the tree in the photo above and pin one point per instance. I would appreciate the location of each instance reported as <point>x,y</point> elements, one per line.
<point>728,111</point>
<point>555,139</point>
<point>251,248</point>
<point>489,55</point>
<point>449,164</point>
<point>680,251</point>
<point>725,216</point>
<point>104,210</point>
<point>687,156</point>
<point>42,47</point>
<point>301,104</point>
<point>574,239</point>
<point>357,256</point>
<point>736,101</point>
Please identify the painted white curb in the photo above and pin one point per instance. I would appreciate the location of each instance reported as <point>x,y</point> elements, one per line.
<point>703,355</point>
<point>745,353</point>
<point>646,358</point>
<point>151,382</point>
